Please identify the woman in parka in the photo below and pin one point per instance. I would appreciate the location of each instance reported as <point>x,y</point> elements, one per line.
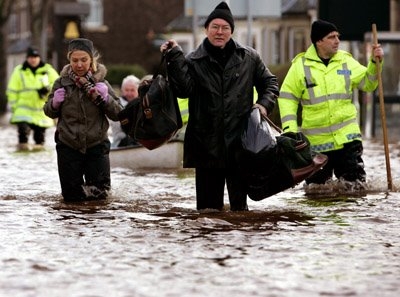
<point>218,79</point>
<point>82,100</point>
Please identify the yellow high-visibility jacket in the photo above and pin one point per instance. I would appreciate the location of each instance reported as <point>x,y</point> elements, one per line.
<point>22,94</point>
<point>329,117</point>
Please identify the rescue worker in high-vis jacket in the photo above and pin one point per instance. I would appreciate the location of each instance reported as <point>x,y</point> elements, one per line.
<point>27,91</point>
<point>322,80</point>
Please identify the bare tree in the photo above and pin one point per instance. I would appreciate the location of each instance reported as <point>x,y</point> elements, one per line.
<point>37,10</point>
<point>5,11</point>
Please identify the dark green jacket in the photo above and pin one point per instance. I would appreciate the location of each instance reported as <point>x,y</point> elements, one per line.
<point>82,124</point>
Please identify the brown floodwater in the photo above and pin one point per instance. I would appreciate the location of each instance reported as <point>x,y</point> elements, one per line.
<point>148,240</point>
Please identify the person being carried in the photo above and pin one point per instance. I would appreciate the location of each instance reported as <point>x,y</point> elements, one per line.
<point>27,91</point>
<point>82,100</point>
<point>322,80</point>
<point>218,79</point>
<point>129,92</point>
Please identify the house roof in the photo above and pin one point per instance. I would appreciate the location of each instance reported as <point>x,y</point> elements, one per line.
<point>18,46</point>
<point>184,23</point>
<point>297,6</point>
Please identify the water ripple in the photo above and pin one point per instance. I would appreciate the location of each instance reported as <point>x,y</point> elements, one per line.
<point>148,240</point>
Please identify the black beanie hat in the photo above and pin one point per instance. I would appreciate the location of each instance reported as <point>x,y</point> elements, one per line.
<point>320,29</point>
<point>32,52</point>
<point>221,11</point>
<point>81,44</point>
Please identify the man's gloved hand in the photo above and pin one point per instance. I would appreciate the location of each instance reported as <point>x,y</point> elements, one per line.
<point>43,92</point>
<point>100,94</point>
<point>59,97</point>
<point>262,109</point>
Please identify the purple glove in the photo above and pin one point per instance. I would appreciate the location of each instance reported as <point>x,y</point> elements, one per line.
<point>59,97</point>
<point>102,89</point>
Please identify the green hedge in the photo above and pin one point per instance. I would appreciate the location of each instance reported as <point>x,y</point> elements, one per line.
<point>280,71</point>
<point>116,73</point>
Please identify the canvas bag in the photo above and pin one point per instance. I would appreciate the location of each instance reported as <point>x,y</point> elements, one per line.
<point>280,164</point>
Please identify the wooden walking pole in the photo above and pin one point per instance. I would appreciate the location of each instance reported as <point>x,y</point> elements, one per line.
<point>382,109</point>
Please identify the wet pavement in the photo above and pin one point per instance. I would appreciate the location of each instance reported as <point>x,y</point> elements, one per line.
<point>148,240</point>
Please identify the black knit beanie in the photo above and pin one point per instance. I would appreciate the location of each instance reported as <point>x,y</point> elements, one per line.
<point>32,52</point>
<point>221,11</point>
<point>81,44</point>
<point>320,28</point>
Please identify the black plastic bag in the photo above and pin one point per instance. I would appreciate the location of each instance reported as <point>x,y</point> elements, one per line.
<point>257,135</point>
<point>278,165</point>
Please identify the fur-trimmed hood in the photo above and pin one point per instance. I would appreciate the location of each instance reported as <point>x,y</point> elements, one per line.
<point>82,124</point>
<point>99,75</point>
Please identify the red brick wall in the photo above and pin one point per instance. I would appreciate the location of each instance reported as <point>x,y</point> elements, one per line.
<point>129,23</point>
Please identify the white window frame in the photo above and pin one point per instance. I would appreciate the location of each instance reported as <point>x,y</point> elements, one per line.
<point>95,18</point>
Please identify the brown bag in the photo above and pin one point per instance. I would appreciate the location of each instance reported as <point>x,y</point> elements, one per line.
<point>155,118</point>
<point>158,117</point>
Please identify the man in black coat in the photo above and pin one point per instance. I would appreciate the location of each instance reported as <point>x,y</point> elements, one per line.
<point>219,78</point>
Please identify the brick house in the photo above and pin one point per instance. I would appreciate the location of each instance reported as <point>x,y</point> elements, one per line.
<point>128,32</point>
<point>122,31</point>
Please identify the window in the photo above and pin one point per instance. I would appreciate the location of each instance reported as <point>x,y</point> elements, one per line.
<point>13,25</point>
<point>18,25</point>
<point>95,17</point>
<point>297,41</point>
<point>275,48</point>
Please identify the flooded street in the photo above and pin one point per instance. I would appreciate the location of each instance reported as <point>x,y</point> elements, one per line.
<point>148,240</point>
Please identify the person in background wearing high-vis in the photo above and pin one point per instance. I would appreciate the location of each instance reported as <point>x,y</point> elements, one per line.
<point>29,85</point>
<point>322,80</point>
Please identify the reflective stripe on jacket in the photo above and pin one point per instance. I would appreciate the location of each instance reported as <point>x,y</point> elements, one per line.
<point>325,93</point>
<point>184,109</point>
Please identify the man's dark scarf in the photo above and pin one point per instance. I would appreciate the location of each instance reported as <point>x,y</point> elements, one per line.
<point>222,55</point>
